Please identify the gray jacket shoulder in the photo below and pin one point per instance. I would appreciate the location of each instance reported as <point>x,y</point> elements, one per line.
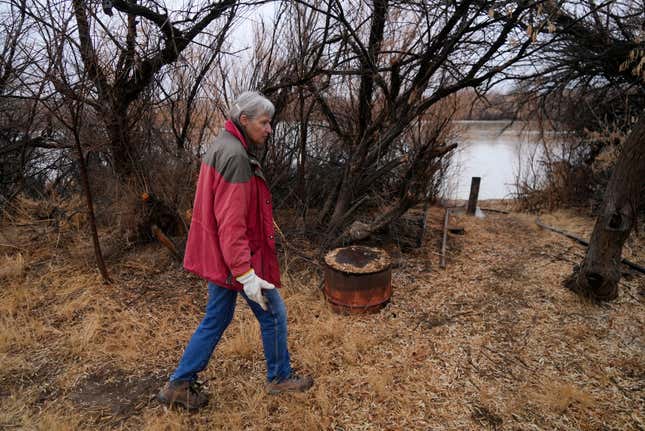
<point>229,158</point>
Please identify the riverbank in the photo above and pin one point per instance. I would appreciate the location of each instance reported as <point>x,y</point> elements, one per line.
<point>491,342</point>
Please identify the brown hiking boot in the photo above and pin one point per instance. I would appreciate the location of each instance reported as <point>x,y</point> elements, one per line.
<point>183,393</point>
<point>293,383</point>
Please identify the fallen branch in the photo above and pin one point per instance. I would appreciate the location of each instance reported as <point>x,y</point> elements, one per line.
<point>629,263</point>
<point>46,220</point>
<point>461,209</point>
<point>515,358</point>
<point>165,241</point>
<point>494,210</point>
<point>627,290</point>
<point>13,246</point>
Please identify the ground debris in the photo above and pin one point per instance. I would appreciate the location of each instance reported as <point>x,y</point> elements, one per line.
<point>491,342</point>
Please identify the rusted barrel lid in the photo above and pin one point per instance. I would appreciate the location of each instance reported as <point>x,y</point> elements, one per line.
<point>358,259</point>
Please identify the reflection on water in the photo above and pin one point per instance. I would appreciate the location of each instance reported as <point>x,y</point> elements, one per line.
<point>491,150</point>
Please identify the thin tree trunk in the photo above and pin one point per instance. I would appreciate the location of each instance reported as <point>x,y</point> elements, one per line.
<point>599,272</point>
<point>302,156</point>
<point>90,209</point>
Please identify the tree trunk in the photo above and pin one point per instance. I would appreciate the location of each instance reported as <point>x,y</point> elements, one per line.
<point>343,202</point>
<point>599,273</point>
<point>359,231</point>
<point>100,262</point>
<point>302,156</point>
<point>117,126</point>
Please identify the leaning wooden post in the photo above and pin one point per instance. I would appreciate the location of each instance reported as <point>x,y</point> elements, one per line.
<point>442,262</point>
<point>474,194</point>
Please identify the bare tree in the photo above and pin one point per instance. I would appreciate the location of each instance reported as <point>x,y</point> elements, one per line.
<point>22,132</point>
<point>599,272</point>
<point>588,79</point>
<point>593,68</point>
<point>372,70</point>
<point>122,48</point>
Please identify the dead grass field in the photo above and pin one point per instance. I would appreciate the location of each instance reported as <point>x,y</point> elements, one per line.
<point>491,342</point>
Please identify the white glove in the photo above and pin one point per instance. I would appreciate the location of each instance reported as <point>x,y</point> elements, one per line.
<point>253,286</point>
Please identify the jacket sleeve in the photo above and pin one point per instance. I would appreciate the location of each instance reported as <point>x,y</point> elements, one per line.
<point>231,206</point>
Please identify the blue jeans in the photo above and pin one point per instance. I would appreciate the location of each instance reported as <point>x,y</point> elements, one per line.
<point>219,313</point>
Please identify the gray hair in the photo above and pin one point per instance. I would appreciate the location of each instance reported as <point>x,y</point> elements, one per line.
<point>251,104</point>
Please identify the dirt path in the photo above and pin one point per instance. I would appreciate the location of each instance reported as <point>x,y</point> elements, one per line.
<point>491,342</point>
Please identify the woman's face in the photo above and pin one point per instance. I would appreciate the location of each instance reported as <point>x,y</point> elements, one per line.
<point>257,129</point>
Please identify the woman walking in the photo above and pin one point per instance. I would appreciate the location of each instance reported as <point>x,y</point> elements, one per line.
<point>231,244</point>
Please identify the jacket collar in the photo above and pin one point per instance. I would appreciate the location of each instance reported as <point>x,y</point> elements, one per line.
<point>237,131</point>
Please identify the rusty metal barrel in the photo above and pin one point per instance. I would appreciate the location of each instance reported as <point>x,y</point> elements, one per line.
<point>358,279</point>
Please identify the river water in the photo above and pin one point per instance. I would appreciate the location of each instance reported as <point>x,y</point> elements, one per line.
<point>494,151</point>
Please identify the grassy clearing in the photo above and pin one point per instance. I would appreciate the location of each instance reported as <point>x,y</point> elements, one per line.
<point>492,342</point>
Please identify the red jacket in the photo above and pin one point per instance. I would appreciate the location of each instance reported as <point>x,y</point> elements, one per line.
<point>231,230</point>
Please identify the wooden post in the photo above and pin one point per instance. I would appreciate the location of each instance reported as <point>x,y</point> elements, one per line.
<point>442,262</point>
<point>474,194</point>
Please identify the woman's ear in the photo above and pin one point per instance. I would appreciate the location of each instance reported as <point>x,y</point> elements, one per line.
<point>244,120</point>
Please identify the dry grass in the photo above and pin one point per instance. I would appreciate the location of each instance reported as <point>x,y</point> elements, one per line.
<point>492,342</point>
<point>560,396</point>
<point>12,267</point>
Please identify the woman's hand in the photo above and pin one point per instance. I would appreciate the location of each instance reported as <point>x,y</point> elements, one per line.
<point>253,286</point>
